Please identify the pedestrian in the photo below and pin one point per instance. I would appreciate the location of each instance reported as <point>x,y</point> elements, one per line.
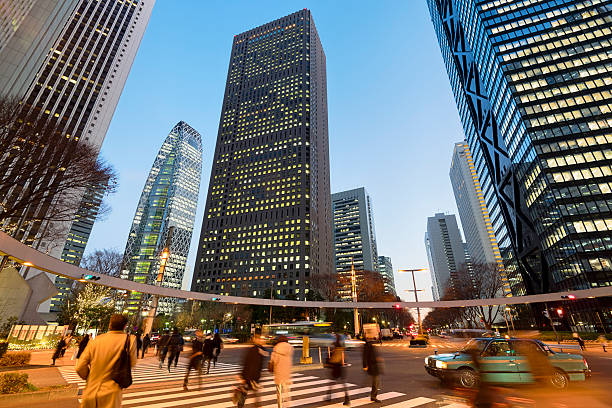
<point>83,344</point>
<point>581,343</point>
<point>280,364</point>
<point>162,347</point>
<point>195,360</point>
<point>138,344</point>
<point>97,362</point>
<point>146,342</point>
<point>207,352</point>
<point>336,365</point>
<point>217,346</point>
<point>68,340</point>
<point>371,364</point>
<point>252,364</point>
<point>61,345</point>
<point>174,347</point>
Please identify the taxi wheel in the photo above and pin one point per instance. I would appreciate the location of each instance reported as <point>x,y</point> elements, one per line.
<point>467,378</point>
<point>559,380</point>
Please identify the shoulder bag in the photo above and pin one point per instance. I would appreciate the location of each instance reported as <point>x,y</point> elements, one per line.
<point>122,369</point>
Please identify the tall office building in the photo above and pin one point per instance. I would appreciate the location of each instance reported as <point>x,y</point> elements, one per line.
<point>385,268</point>
<point>165,216</point>
<point>445,253</point>
<point>268,215</point>
<point>75,245</point>
<point>532,84</point>
<point>67,61</point>
<point>354,236</point>
<point>480,240</point>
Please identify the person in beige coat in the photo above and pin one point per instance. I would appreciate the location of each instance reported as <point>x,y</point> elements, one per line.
<point>281,362</point>
<point>96,364</point>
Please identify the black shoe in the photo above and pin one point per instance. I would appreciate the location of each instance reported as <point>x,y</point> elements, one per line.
<point>347,402</point>
<point>375,400</point>
<point>185,387</point>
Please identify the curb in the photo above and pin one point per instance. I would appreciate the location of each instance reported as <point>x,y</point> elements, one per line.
<point>38,397</point>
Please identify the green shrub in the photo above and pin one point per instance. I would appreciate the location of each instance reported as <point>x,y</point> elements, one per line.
<point>13,359</point>
<point>11,383</point>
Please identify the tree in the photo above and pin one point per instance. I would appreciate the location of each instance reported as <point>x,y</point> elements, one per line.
<point>104,261</point>
<point>43,171</point>
<point>87,305</point>
<point>326,285</point>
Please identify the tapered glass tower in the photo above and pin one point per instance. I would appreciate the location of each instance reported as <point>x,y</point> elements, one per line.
<point>532,84</point>
<point>268,214</point>
<point>165,216</point>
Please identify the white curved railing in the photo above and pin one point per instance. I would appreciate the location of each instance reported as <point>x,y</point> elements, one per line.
<point>23,253</point>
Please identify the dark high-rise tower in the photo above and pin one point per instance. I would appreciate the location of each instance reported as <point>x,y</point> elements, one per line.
<point>268,213</point>
<point>532,84</point>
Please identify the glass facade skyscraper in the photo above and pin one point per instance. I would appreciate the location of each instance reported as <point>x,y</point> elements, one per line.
<point>385,268</point>
<point>354,236</point>
<point>165,216</point>
<point>268,215</point>
<point>532,84</point>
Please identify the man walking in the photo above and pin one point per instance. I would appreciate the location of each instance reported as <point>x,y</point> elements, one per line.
<point>281,362</point>
<point>371,364</point>
<point>217,346</point>
<point>207,352</point>
<point>61,345</point>
<point>97,362</point>
<point>195,361</point>
<point>146,342</point>
<point>162,348</point>
<point>252,365</point>
<point>82,344</point>
<point>175,344</point>
<point>138,344</point>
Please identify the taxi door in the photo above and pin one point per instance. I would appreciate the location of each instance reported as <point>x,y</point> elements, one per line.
<point>497,363</point>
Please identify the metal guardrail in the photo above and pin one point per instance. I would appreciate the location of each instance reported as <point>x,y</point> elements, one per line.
<point>565,346</point>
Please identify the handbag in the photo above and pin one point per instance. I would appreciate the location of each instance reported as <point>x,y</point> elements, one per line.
<point>122,369</point>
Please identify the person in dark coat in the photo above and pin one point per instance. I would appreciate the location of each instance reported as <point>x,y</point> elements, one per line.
<point>336,364</point>
<point>146,342</point>
<point>207,352</point>
<point>83,344</point>
<point>195,360</point>
<point>371,364</point>
<point>138,344</point>
<point>252,364</point>
<point>175,343</point>
<point>162,347</point>
<point>217,346</point>
<point>61,345</point>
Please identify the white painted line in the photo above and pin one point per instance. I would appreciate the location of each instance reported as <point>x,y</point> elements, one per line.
<point>414,402</point>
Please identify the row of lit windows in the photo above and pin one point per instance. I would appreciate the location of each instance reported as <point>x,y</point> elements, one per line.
<point>578,158</point>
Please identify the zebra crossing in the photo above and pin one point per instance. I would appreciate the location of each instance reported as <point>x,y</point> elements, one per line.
<point>306,391</point>
<point>148,371</point>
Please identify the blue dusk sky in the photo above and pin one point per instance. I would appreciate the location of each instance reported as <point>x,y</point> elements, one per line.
<point>392,115</point>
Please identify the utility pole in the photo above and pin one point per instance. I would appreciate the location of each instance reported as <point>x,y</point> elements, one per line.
<point>547,314</point>
<point>165,255</point>
<point>271,293</point>
<point>354,296</point>
<point>416,296</point>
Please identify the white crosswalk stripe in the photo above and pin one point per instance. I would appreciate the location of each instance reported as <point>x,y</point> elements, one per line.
<point>149,372</point>
<point>306,390</point>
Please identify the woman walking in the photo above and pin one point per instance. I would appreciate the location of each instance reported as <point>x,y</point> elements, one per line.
<point>281,362</point>
<point>336,364</point>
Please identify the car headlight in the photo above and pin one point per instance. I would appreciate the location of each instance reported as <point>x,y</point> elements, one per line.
<point>440,364</point>
<point>426,360</point>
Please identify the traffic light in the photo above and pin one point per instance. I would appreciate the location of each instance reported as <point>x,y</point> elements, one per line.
<point>560,312</point>
<point>570,297</point>
<point>215,299</point>
<point>87,277</point>
<point>397,306</point>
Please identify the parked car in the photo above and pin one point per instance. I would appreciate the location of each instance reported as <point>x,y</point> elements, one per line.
<point>386,334</point>
<point>502,360</point>
<point>189,335</point>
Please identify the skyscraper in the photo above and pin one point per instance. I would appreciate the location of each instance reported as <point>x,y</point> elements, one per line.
<point>385,268</point>
<point>165,216</point>
<point>268,214</point>
<point>354,235</point>
<point>532,86</point>
<point>445,252</point>
<point>481,243</point>
<point>67,61</point>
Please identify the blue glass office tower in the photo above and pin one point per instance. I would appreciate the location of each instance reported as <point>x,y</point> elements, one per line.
<point>532,84</point>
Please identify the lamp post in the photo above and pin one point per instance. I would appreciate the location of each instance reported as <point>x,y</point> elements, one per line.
<point>510,314</point>
<point>416,296</point>
<point>354,296</point>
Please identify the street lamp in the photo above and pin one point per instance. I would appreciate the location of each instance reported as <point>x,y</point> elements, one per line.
<point>416,297</point>
<point>510,314</point>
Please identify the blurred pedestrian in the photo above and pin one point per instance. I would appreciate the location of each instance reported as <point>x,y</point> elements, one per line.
<point>83,344</point>
<point>372,365</point>
<point>97,362</point>
<point>175,343</point>
<point>336,364</point>
<point>602,340</point>
<point>195,360</point>
<point>138,344</point>
<point>146,342</point>
<point>68,339</point>
<point>252,365</point>
<point>217,346</point>
<point>162,347</point>
<point>207,351</point>
<point>61,345</point>
<point>281,362</point>
<point>581,343</point>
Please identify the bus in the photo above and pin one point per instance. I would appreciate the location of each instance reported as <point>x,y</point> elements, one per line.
<point>319,334</point>
<point>472,333</point>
